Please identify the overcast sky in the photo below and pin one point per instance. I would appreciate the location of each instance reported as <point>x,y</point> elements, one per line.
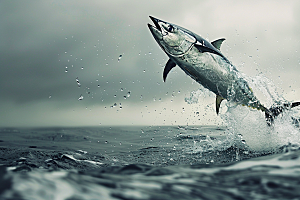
<point>46,45</point>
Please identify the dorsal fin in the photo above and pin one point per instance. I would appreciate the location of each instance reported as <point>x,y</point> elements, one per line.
<point>217,43</point>
<point>170,64</point>
<point>219,99</point>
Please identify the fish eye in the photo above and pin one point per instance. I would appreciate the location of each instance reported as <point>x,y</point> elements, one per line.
<point>171,28</point>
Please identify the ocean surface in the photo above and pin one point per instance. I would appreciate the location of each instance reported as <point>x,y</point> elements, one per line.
<point>246,159</point>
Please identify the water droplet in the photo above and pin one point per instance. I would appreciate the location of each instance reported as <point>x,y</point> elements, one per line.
<point>128,94</point>
<point>144,71</point>
<point>80,98</point>
<point>150,53</point>
<point>106,142</point>
<point>98,85</point>
<point>115,104</point>
<point>81,67</point>
<point>115,95</point>
<point>125,97</point>
<point>78,83</point>
<point>50,96</point>
<point>121,89</point>
<point>120,56</point>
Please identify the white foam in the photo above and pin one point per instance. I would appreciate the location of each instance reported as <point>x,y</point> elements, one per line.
<point>249,124</point>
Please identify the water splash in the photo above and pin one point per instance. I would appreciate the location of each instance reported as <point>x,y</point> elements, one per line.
<point>252,127</point>
<point>195,95</point>
<point>251,123</point>
<point>246,127</point>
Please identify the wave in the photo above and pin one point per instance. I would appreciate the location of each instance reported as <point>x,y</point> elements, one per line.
<point>268,177</point>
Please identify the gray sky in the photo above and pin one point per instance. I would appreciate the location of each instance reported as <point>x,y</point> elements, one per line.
<point>40,40</point>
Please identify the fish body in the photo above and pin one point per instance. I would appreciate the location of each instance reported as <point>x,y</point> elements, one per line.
<point>204,62</point>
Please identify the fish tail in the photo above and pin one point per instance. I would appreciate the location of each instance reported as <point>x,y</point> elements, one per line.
<point>274,111</point>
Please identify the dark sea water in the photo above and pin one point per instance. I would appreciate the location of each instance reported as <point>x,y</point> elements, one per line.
<point>238,161</point>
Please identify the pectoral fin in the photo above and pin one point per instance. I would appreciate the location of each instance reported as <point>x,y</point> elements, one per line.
<point>219,99</point>
<point>170,64</point>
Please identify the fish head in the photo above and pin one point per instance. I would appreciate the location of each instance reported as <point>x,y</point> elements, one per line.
<point>173,39</point>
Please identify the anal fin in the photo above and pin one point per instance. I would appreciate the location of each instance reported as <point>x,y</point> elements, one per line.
<point>170,64</point>
<point>219,99</point>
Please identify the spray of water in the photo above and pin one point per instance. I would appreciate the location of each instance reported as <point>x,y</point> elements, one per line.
<point>248,126</point>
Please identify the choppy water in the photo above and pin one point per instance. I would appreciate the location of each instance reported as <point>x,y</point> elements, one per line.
<point>244,159</point>
<point>167,162</point>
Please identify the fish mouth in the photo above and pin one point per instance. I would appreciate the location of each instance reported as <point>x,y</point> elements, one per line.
<point>155,21</point>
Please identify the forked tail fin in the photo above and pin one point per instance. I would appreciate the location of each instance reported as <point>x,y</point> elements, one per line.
<point>274,111</point>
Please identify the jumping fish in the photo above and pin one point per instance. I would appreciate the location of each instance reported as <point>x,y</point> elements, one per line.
<point>204,62</point>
